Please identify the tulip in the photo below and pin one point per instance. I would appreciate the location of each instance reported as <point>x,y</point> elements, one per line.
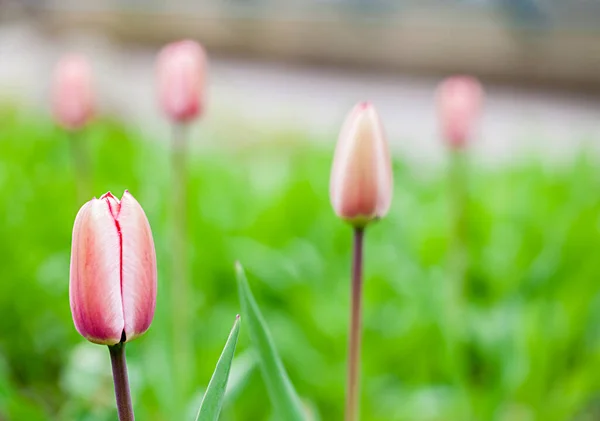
<point>181,68</point>
<point>361,191</point>
<point>72,92</point>
<point>361,177</point>
<point>181,80</point>
<point>113,270</point>
<point>459,101</point>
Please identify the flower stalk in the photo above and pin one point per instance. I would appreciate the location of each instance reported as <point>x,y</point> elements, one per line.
<point>183,362</point>
<point>459,103</point>
<point>121,381</point>
<point>352,394</point>
<point>457,189</point>
<point>457,264</point>
<point>80,163</point>
<point>181,82</point>
<point>360,190</point>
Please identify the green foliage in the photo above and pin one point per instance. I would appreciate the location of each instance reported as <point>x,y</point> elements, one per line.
<point>527,327</point>
<point>281,391</point>
<point>213,398</point>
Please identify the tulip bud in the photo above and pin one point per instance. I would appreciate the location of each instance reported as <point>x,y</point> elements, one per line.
<point>361,177</point>
<point>459,101</point>
<point>113,270</point>
<point>72,92</point>
<point>181,68</point>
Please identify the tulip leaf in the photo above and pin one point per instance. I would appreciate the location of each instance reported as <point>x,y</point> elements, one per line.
<point>283,396</point>
<point>213,398</point>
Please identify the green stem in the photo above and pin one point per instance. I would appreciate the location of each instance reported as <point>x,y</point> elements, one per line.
<point>458,191</point>
<point>352,393</point>
<point>80,164</point>
<point>456,308</point>
<point>121,381</point>
<point>182,364</point>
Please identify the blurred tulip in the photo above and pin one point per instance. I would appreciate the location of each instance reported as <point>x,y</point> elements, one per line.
<point>113,270</point>
<point>181,68</point>
<point>459,101</point>
<point>72,92</point>
<point>181,80</point>
<point>361,177</point>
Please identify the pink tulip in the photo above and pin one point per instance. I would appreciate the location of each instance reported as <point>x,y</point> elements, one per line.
<point>72,92</point>
<point>113,270</point>
<point>459,101</point>
<point>361,176</point>
<point>181,68</point>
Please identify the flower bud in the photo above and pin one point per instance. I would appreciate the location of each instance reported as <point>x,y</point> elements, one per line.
<point>361,177</point>
<point>113,270</point>
<point>72,92</point>
<point>181,69</point>
<point>459,101</point>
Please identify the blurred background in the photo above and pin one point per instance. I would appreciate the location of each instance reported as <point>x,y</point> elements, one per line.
<point>282,76</point>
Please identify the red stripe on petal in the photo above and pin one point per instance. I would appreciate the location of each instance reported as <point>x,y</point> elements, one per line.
<point>94,289</point>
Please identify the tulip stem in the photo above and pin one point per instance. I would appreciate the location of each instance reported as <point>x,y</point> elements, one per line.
<point>352,392</point>
<point>80,165</point>
<point>455,303</point>
<point>183,362</point>
<point>121,381</point>
<point>458,191</point>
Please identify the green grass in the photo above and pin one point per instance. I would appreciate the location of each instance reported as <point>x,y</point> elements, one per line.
<point>529,328</point>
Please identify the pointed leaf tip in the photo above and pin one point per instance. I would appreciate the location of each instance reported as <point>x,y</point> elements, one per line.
<point>211,405</point>
<point>239,270</point>
<point>283,396</point>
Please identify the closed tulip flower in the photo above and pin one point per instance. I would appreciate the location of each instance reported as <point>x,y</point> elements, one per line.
<point>113,270</point>
<point>361,177</point>
<point>181,68</point>
<point>72,92</point>
<point>459,101</point>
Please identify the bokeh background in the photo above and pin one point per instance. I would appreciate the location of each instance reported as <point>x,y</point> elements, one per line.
<point>524,341</point>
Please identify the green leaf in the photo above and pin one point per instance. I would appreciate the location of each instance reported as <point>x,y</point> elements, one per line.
<point>213,398</point>
<point>281,391</point>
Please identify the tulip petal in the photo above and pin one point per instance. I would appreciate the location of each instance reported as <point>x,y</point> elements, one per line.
<point>459,101</point>
<point>95,287</point>
<point>181,68</point>
<point>360,184</point>
<point>72,91</point>
<point>361,178</point>
<point>385,176</point>
<point>138,268</point>
<point>114,206</point>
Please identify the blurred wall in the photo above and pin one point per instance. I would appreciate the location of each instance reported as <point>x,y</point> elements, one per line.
<point>546,42</point>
